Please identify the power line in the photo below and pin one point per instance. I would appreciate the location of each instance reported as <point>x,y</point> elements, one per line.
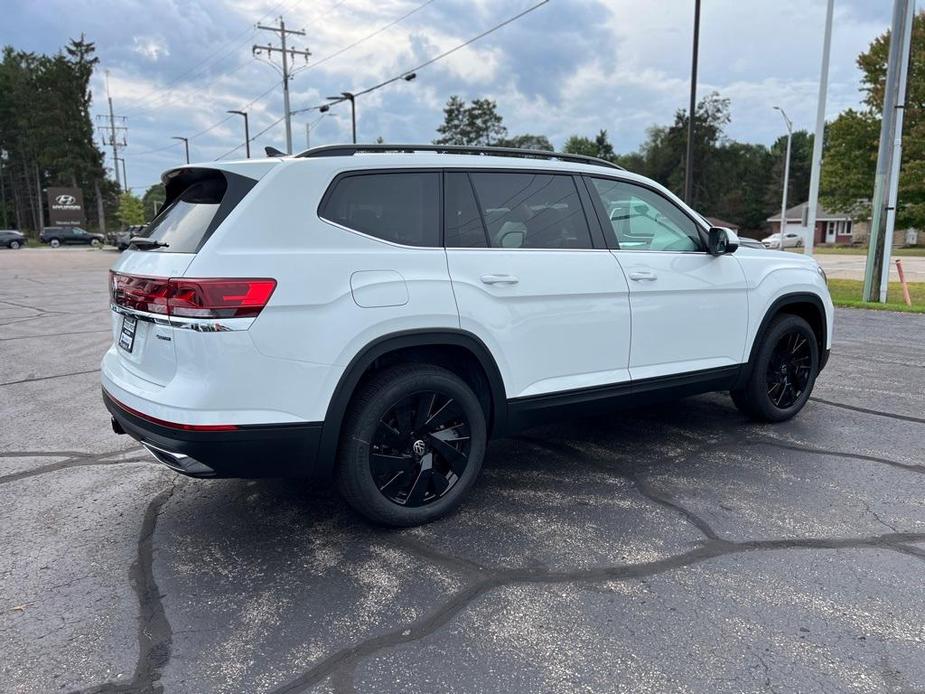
<point>369,36</point>
<point>404,73</point>
<point>253,139</point>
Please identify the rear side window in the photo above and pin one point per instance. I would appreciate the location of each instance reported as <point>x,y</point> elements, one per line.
<point>463,221</point>
<point>398,207</point>
<point>531,210</point>
<point>186,221</point>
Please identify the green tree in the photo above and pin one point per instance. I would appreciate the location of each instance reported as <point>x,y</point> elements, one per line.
<point>850,160</point>
<point>153,199</point>
<point>801,154</point>
<point>599,147</point>
<point>527,141</point>
<point>131,209</point>
<point>46,134</point>
<point>479,123</point>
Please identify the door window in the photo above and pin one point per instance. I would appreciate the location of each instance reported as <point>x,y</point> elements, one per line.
<point>398,207</point>
<point>529,210</point>
<point>463,221</point>
<point>642,220</point>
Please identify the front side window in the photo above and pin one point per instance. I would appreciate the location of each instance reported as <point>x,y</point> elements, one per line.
<point>398,207</point>
<point>642,220</point>
<point>530,210</point>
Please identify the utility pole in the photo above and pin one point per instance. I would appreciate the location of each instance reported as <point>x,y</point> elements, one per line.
<point>886,182</point>
<point>783,202</point>
<point>114,135</point>
<point>816,166</point>
<point>692,112</point>
<point>124,175</point>
<point>287,54</point>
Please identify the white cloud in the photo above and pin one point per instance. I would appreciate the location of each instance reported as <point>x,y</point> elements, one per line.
<point>570,67</point>
<point>150,47</point>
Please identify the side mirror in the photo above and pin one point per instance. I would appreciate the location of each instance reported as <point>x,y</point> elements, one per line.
<point>721,241</point>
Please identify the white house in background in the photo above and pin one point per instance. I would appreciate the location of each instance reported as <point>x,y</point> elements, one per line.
<point>831,227</point>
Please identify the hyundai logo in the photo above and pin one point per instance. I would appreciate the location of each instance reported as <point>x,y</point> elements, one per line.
<point>65,199</point>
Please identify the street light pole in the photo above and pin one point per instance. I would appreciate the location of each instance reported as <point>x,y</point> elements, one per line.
<point>692,112</point>
<point>816,165</point>
<point>783,203</point>
<point>353,113</point>
<point>247,135</point>
<point>185,145</point>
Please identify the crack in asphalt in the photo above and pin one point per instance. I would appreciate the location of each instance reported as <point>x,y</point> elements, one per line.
<point>73,459</point>
<point>47,378</point>
<point>855,408</point>
<point>805,448</point>
<point>350,656</point>
<point>341,665</point>
<point>155,636</point>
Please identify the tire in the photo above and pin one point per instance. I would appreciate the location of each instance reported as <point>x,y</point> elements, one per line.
<point>54,243</point>
<point>783,373</point>
<point>404,458</point>
<point>14,245</point>
<point>95,243</point>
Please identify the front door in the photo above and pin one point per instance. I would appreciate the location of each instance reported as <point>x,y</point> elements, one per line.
<point>553,309</point>
<point>689,308</point>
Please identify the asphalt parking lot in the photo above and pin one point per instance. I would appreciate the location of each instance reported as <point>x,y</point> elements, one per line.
<point>678,548</point>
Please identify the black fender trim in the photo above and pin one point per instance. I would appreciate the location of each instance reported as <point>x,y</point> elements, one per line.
<point>773,310</point>
<point>449,337</point>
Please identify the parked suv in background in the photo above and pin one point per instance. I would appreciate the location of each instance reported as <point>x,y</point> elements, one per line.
<point>10,238</point>
<point>56,236</point>
<point>376,313</point>
<point>121,239</point>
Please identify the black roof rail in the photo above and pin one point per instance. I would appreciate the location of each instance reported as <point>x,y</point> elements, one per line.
<point>350,150</point>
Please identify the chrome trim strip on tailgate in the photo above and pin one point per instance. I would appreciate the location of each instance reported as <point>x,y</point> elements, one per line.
<point>202,325</point>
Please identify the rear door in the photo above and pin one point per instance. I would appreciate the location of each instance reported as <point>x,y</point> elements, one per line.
<point>197,201</point>
<point>551,304</point>
<point>689,308</point>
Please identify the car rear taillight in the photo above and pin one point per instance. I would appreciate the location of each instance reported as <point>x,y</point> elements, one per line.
<point>191,298</point>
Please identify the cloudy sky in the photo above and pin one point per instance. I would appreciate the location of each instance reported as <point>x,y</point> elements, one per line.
<point>570,66</point>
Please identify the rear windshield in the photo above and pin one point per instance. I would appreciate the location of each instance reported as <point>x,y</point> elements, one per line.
<point>185,222</point>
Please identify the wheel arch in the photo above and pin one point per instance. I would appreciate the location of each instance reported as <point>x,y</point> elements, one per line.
<point>808,306</point>
<point>413,345</point>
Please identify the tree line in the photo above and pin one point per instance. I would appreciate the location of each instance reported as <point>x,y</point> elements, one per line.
<point>46,134</point>
<point>742,182</point>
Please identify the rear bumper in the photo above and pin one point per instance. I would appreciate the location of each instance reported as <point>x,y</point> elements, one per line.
<point>248,451</point>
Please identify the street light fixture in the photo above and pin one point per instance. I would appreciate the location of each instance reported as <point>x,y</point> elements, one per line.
<point>247,135</point>
<point>783,204</point>
<point>349,96</point>
<point>185,145</point>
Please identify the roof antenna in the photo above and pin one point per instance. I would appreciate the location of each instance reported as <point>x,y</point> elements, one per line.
<point>273,152</point>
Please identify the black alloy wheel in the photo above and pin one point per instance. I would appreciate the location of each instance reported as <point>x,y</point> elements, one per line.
<point>420,448</point>
<point>782,373</point>
<point>412,444</point>
<point>789,369</point>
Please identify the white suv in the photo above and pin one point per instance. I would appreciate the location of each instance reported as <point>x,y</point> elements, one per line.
<point>375,313</point>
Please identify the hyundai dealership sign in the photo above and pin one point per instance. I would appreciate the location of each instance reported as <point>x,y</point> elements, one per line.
<point>65,206</point>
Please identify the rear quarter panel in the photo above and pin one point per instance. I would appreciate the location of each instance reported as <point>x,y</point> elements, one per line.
<point>314,318</point>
